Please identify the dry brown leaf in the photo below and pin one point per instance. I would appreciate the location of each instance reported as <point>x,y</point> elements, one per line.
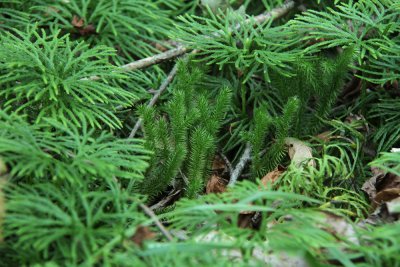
<point>386,195</point>
<point>142,234</point>
<point>89,29</point>
<point>338,226</point>
<point>324,136</point>
<point>245,219</point>
<point>215,185</point>
<point>299,152</point>
<point>77,22</point>
<point>369,186</point>
<point>382,187</point>
<point>218,164</point>
<point>393,206</point>
<point>271,177</point>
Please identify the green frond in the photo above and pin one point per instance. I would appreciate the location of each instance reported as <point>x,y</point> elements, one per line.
<point>183,138</point>
<point>200,145</point>
<point>369,23</point>
<point>386,111</point>
<point>232,39</point>
<point>132,25</point>
<point>50,77</point>
<point>389,161</point>
<point>71,224</point>
<point>67,152</point>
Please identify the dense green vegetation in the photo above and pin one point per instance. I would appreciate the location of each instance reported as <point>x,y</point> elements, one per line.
<point>266,134</point>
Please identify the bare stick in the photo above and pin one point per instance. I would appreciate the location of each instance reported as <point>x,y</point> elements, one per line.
<point>156,96</point>
<point>160,226</point>
<point>165,200</point>
<point>227,162</point>
<point>149,61</point>
<point>246,156</point>
<point>181,50</point>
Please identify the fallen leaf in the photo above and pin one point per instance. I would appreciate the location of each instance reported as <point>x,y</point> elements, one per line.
<point>280,258</point>
<point>299,152</point>
<point>338,226</point>
<point>271,177</point>
<point>245,220</point>
<point>393,206</point>
<point>324,136</point>
<point>77,22</point>
<point>381,187</point>
<point>369,186</point>
<point>218,165</point>
<point>142,234</point>
<point>89,29</point>
<point>262,256</point>
<point>386,195</point>
<point>215,185</point>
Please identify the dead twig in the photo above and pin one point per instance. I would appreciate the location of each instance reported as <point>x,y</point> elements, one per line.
<point>246,157</point>
<point>160,226</point>
<point>181,50</point>
<point>166,200</point>
<point>227,162</point>
<point>153,60</point>
<point>156,96</point>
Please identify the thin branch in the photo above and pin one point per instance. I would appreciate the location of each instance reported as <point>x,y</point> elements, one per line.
<point>149,61</point>
<point>227,162</point>
<point>246,157</point>
<point>181,50</point>
<point>156,96</point>
<point>160,226</point>
<point>162,203</point>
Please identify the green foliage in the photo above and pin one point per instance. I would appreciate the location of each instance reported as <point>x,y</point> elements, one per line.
<point>371,23</point>
<point>389,162</point>
<point>280,126</point>
<point>386,111</point>
<point>10,17</point>
<point>232,39</point>
<point>213,221</point>
<point>212,213</point>
<point>129,24</point>
<point>55,151</point>
<point>368,25</point>
<point>185,142</point>
<point>322,182</point>
<point>49,76</point>
<point>76,187</point>
<point>317,83</point>
<point>70,225</point>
